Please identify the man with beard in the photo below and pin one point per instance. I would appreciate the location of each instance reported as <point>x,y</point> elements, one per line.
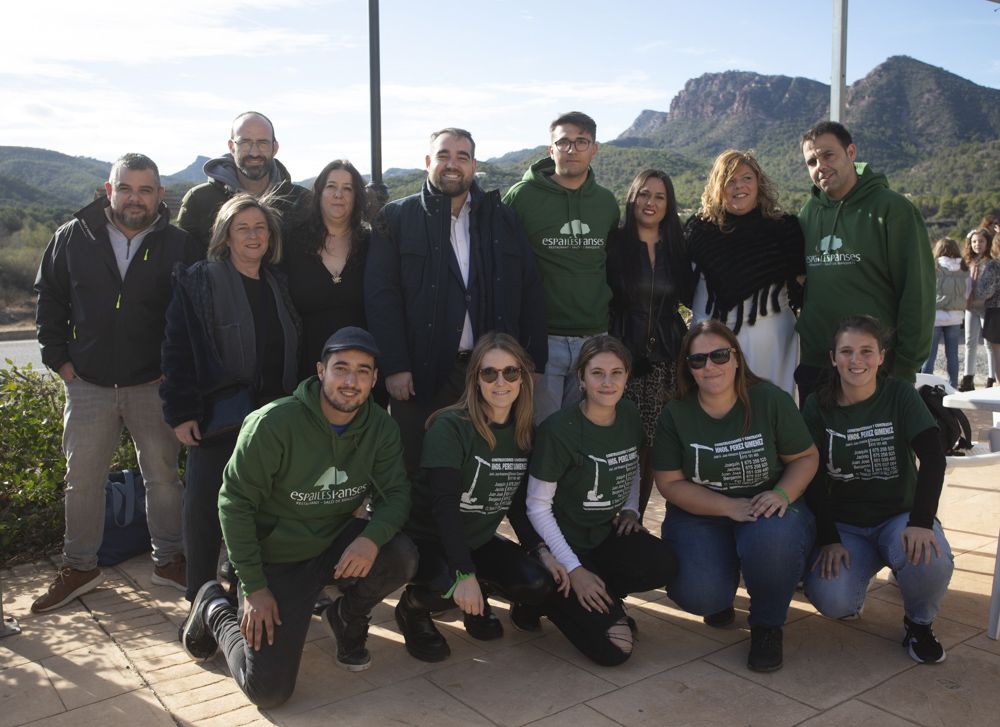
<point>301,468</point>
<point>445,266</point>
<point>249,167</point>
<point>103,287</point>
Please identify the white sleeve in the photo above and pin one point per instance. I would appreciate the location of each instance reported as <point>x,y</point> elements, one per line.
<point>539,500</point>
<point>632,503</point>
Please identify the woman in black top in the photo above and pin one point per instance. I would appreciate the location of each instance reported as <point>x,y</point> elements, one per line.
<point>325,260</point>
<point>649,278</point>
<point>230,346</point>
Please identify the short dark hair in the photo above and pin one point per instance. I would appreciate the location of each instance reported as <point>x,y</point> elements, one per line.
<point>455,131</point>
<point>240,117</point>
<point>577,118</point>
<point>828,127</point>
<point>135,162</point>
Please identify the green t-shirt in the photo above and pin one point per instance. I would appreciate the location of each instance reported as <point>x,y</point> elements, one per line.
<point>871,473</point>
<point>490,477</point>
<point>593,468</point>
<point>718,454</point>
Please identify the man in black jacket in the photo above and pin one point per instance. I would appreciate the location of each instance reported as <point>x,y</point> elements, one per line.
<point>249,167</point>
<point>103,286</point>
<point>445,266</point>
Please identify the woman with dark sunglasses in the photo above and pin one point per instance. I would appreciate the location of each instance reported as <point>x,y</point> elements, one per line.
<point>473,473</point>
<point>732,457</point>
<point>583,499</point>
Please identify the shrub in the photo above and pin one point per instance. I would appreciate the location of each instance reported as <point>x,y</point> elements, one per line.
<point>32,466</point>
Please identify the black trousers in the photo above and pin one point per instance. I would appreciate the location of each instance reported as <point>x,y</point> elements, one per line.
<point>627,564</point>
<point>502,567</point>
<point>411,415</point>
<point>268,676</point>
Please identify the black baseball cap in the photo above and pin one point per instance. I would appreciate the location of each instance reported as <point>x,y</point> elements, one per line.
<point>350,337</point>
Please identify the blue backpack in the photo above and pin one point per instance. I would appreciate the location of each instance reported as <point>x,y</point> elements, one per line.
<point>126,533</point>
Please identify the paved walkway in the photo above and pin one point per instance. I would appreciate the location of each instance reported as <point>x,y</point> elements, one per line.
<point>112,658</point>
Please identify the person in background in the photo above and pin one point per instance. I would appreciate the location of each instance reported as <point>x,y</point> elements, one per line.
<point>978,252</point>
<point>748,256</point>
<point>325,259</point>
<point>988,291</point>
<point>232,336</point>
<point>953,289</point>
<point>874,507</point>
<point>650,278</point>
<point>732,460</point>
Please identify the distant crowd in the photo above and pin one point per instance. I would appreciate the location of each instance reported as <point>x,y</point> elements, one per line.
<point>367,389</point>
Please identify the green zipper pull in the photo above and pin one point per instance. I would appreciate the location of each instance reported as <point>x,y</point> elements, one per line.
<point>118,303</point>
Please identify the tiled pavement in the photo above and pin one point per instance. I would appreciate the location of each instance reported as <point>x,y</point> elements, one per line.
<point>113,659</point>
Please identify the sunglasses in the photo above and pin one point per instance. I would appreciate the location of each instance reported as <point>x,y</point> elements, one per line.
<point>719,357</point>
<point>510,374</point>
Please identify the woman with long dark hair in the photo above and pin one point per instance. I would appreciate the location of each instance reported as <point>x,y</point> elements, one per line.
<point>325,259</point>
<point>874,507</point>
<point>732,458</point>
<point>748,256</point>
<point>977,253</point>
<point>650,278</point>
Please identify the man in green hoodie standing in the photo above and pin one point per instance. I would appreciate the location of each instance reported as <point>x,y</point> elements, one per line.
<point>567,216</point>
<point>302,467</point>
<point>867,253</point>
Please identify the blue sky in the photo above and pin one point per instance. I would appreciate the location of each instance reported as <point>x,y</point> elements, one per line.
<point>100,79</point>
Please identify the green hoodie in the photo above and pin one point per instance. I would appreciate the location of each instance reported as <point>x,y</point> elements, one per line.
<point>867,254</point>
<point>568,230</point>
<point>293,483</point>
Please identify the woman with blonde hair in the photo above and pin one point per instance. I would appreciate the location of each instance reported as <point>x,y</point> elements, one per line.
<point>748,257</point>
<point>953,289</point>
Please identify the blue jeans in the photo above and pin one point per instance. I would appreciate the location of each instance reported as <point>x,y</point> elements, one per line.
<point>922,586</point>
<point>712,551</point>
<point>559,386</point>
<point>951,335</point>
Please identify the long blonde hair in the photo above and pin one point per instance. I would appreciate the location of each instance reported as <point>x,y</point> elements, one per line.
<point>473,407</point>
<point>713,199</point>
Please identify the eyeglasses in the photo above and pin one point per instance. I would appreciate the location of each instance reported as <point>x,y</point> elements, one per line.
<point>580,143</point>
<point>248,144</point>
<point>510,374</point>
<point>719,357</point>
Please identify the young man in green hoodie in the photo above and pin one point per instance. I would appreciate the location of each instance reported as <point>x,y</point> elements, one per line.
<point>867,253</point>
<point>302,467</point>
<point>567,216</point>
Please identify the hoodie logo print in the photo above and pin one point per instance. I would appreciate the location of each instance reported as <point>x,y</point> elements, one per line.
<point>575,227</point>
<point>830,243</point>
<point>329,488</point>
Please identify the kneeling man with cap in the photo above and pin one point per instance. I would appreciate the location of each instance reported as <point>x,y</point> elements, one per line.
<point>302,466</point>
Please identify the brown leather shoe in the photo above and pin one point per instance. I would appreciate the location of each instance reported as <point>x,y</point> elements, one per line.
<point>173,574</point>
<point>69,584</point>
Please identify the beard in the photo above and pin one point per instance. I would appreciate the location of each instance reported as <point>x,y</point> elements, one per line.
<point>344,406</point>
<point>133,217</point>
<point>453,187</point>
<point>254,173</point>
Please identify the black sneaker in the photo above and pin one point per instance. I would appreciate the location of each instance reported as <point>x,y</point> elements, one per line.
<point>525,618</point>
<point>719,619</point>
<point>195,636</point>
<point>921,643</point>
<point>423,640</point>
<point>486,627</point>
<point>765,648</point>
<point>350,637</point>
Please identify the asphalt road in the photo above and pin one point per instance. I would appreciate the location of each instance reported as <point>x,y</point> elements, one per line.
<point>21,353</point>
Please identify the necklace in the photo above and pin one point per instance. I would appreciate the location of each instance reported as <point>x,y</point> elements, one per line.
<point>336,256</point>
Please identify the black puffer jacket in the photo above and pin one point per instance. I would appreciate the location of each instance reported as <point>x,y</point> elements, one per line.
<point>109,328</point>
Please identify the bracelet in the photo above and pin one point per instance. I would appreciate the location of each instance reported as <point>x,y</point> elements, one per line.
<point>459,577</point>
<point>784,494</point>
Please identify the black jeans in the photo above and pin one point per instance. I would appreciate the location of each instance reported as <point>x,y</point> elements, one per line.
<point>202,532</point>
<point>411,415</point>
<point>268,676</point>
<point>627,564</point>
<point>502,567</point>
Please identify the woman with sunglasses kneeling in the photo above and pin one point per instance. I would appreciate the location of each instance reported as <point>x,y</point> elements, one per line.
<point>732,456</point>
<point>473,472</point>
<point>583,498</point>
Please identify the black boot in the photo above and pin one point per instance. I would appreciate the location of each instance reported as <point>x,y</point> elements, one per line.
<point>423,640</point>
<point>990,382</point>
<point>486,627</point>
<point>967,384</point>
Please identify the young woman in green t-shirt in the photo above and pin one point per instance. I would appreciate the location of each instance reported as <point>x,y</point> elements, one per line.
<point>874,507</point>
<point>583,499</point>
<point>473,472</point>
<point>732,455</point>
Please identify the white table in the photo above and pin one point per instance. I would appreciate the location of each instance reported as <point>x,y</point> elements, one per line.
<point>985,400</point>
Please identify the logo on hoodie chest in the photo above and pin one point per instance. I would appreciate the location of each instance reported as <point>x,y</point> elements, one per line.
<point>573,231</point>
<point>828,253</point>
<point>330,488</point>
